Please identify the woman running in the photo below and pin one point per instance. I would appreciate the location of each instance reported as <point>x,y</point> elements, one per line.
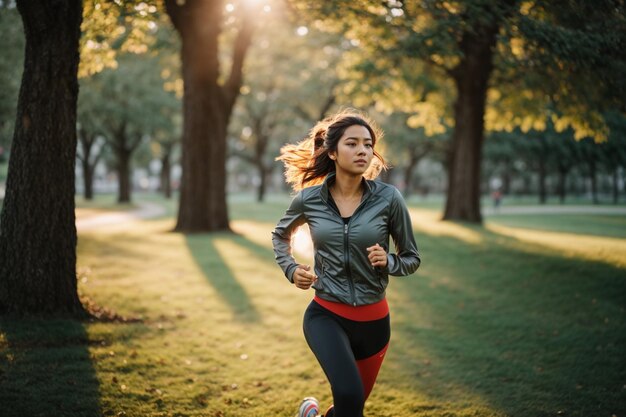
<point>351,218</point>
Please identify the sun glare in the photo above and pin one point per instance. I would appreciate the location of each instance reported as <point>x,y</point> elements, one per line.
<point>302,243</point>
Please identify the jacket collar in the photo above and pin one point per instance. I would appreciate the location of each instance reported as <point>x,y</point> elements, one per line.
<point>330,180</point>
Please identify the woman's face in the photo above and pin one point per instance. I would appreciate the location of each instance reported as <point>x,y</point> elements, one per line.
<point>355,151</point>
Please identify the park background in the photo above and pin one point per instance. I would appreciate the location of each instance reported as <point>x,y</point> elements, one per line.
<point>139,188</point>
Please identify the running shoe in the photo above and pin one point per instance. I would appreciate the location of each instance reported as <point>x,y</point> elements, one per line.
<point>309,407</point>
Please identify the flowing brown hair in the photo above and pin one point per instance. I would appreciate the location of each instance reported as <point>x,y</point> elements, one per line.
<point>308,163</point>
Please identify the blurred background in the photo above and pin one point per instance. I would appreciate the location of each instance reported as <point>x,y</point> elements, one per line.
<point>553,109</point>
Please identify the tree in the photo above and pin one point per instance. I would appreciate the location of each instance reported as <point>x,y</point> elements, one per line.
<point>37,232</point>
<point>272,110</point>
<point>165,141</point>
<point>207,105</point>
<point>408,145</point>
<point>591,155</point>
<point>477,49</point>
<point>129,55</point>
<point>127,105</point>
<point>614,150</point>
<point>501,153</point>
<point>89,154</point>
<point>90,132</point>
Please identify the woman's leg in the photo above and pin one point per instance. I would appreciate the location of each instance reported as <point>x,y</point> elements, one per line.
<point>369,367</point>
<point>331,345</point>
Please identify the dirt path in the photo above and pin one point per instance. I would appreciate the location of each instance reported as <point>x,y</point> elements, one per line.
<point>145,211</point>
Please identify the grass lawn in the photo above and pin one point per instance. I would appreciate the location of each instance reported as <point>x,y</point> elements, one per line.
<point>522,317</point>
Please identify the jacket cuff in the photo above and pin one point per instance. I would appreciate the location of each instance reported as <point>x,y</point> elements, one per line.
<point>290,271</point>
<point>391,263</point>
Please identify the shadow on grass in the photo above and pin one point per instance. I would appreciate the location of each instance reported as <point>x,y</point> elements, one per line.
<point>218,274</point>
<point>46,369</point>
<point>515,327</point>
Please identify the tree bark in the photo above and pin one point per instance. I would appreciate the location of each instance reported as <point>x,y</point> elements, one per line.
<point>263,173</point>
<point>123,173</point>
<point>166,170</point>
<point>123,148</point>
<point>207,107</point>
<point>87,180</point>
<point>37,225</point>
<point>88,164</point>
<point>471,77</point>
<point>408,177</point>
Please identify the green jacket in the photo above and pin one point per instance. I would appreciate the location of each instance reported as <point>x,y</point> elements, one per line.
<point>344,272</point>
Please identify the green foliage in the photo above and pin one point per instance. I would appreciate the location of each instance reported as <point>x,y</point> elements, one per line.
<point>272,111</point>
<point>130,98</point>
<point>113,27</point>
<point>553,60</point>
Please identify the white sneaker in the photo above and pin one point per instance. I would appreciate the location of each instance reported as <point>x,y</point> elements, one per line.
<point>309,407</point>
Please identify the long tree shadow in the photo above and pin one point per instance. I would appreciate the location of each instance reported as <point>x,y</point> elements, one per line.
<point>518,327</point>
<point>46,369</point>
<point>207,256</point>
<point>262,253</point>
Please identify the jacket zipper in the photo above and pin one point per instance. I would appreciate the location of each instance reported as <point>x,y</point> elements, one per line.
<point>346,243</point>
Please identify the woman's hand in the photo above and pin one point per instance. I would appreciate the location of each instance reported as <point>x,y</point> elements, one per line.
<point>377,256</point>
<point>303,278</point>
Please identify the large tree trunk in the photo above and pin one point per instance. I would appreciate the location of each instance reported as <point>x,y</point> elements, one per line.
<point>207,107</point>
<point>471,77</point>
<point>37,225</point>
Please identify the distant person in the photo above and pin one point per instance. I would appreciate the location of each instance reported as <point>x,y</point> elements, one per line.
<point>351,218</point>
<point>497,199</point>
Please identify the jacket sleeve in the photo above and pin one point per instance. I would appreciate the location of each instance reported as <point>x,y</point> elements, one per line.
<point>407,259</point>
<point>281,236</point>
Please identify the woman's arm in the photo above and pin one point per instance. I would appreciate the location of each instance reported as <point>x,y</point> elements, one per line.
<point>407,258</point>
<point>281,236</point>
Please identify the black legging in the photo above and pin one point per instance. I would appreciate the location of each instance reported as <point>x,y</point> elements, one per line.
<point>350,353</point>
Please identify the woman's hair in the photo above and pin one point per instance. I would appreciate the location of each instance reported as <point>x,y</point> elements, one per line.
<point>308,162</point>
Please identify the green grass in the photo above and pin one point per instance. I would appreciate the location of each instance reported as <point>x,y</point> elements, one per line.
<point>522,317</point>
<point>437,201</point>
<point>597,225</point>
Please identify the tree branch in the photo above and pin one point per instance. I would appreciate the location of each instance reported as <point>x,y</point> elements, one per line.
<point>242,43</point>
